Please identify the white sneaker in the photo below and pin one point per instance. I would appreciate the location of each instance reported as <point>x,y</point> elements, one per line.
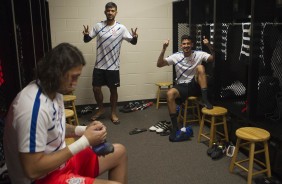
<point>165,127</point>
<point>157,126</point>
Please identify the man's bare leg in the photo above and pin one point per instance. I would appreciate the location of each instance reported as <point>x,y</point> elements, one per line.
<point>113,100</point>
<point>172,94</point>
<point>116,164</point>
<point>99,99</point>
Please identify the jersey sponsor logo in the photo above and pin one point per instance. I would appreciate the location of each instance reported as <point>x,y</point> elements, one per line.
<point>76,180</point>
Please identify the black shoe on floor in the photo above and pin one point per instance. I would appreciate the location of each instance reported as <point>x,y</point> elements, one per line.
<point>219,152</point>
<point>212,149</point>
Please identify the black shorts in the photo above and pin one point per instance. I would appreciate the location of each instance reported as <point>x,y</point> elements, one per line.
<point>109,78</point>
<point>187,89</point>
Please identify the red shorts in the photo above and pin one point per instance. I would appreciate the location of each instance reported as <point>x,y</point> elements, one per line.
<point>82,168</point>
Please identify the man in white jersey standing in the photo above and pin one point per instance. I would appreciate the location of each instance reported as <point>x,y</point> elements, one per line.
<point>35,130</point>
<point>109,36</point>
<point>190,76</point>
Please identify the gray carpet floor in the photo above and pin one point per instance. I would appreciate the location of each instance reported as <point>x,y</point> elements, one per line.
<point>155,160</point>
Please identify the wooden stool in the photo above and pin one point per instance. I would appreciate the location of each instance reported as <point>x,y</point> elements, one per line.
<point>69,104</point>
<point>192,104</point>
<point>162,86</point>
<point>212,116</point>
<point>69,116</point>
<point>250,136</point>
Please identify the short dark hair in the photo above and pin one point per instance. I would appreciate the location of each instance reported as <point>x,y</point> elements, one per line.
<point>187,37</point>
<point>54,65</point>
<point>111,5</point>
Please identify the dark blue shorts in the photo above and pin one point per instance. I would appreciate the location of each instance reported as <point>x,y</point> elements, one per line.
<point>108,78</point>
<point>187,89</point>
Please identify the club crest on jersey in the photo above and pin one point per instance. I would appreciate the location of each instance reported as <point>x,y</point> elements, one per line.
<point>76,181</point>
<point>114,32</point>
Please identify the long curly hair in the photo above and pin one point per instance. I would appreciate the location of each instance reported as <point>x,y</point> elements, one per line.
<point>54,65</point>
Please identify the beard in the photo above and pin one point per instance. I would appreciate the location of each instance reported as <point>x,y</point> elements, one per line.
<point>110,18</point>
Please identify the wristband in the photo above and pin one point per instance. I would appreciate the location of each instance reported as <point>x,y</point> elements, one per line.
<point>79,145</point>
<point>79,130</point>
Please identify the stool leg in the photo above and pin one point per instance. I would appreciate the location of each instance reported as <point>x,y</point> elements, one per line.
<point>69,121</point>
<point>231,167</point>
<point>158,97</point>
<point>251,162</point>
<point>179,114</point>
<point>198,111</point>
<point>212,131</point>
<point>201,127</point>
<point>225,129</point>
<point>267,161</point>
<point>75,114</point>
<point>185,113</point>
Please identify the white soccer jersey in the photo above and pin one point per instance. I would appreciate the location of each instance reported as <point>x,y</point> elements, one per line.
<point>109,40</point>
<point>34,123</point>
<point>185,67</point>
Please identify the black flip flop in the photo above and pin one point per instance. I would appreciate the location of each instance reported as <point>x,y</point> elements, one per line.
<point>137,131</point>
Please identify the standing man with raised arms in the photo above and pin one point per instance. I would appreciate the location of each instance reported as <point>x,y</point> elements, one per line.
<point>109,36</point>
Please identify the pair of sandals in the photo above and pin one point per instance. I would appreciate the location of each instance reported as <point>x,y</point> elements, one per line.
<point>101,116</point>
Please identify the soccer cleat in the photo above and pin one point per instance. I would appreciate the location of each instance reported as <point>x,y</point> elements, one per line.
<point>206,104</point>
<point>219,151</point>
<point>212,149</point>
<point>164,127</point>
<point>103,148</point>
<point>157,126</point>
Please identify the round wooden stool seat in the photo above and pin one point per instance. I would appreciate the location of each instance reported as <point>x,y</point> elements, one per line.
<point>215,111</point>
<point>164,84</point>
<point>68,98</point>
<point>69,113</point>
<point>252,134</point>
<point>248,138</point>
<point>215,116</point>
<point>192,98</point>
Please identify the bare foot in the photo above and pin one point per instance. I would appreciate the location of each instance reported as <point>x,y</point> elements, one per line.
<point>98,115</point>
<point>115,119</point>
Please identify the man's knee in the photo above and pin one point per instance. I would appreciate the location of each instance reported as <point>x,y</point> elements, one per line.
<point>120,150</point>
<point>96,89</point>
<point>169,94</point>
<point>201,70</point>
<point>172,94</point>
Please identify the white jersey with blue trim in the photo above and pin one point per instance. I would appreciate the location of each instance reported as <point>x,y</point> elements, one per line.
<point>185,67</point>
<point>34,123</point>
<point>109,40</point>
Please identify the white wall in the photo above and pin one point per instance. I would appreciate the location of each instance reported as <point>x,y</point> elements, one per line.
<point>138,72</point>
